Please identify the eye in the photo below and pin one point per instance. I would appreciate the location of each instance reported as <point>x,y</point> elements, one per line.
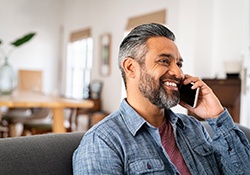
<point>164,61</point>
<point>179,64</point>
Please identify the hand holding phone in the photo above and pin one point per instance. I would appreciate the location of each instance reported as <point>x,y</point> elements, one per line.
<point>188,95</point>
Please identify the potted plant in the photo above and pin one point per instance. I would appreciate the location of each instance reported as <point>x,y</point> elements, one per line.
<point>7,74</point>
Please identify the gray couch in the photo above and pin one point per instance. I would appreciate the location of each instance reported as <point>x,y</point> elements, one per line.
<point>49,154</point>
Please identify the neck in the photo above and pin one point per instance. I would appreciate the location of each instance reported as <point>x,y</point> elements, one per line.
<point>147,110</point>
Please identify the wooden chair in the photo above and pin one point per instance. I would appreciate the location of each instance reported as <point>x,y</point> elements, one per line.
<point>28,80</point>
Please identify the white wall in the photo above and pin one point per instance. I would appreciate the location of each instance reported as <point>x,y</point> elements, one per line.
<point>245,100</point>
<point>44,17</point>
<point>208,33</point>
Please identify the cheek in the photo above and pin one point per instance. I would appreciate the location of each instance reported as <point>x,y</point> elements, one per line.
<point>157,70</point>
<point>158,73</point>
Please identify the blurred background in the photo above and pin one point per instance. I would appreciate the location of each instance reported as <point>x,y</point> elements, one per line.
<point>77,42</point>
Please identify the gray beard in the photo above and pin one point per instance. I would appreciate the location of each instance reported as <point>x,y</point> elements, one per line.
<point>157,94</point>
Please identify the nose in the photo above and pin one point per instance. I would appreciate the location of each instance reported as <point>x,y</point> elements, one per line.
<point>176,71</point>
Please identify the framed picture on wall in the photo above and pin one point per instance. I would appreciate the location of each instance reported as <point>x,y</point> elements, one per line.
<point>105,43</point>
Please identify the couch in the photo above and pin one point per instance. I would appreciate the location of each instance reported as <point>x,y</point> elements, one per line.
<point>48,154</point>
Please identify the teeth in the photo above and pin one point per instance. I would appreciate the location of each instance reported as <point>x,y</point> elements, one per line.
<point>170,84</point>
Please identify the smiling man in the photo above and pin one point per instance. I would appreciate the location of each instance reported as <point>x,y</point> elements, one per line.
<point>144,136</point>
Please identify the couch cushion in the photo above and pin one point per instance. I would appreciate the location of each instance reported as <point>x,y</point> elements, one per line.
<point>38,155</point>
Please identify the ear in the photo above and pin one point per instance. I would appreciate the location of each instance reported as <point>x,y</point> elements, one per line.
<point>129,66</point>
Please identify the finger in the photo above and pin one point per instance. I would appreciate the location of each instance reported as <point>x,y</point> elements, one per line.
<point>196,81</point>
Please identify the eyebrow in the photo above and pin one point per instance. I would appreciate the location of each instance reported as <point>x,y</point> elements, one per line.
<point>170,56</point>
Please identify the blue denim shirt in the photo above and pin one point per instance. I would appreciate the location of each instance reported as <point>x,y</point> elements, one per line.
<point>124,143</point>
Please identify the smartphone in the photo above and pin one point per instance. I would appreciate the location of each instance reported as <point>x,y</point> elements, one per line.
<point>188,95</point>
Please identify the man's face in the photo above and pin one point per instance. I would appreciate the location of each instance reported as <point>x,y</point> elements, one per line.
<point>161,74</point>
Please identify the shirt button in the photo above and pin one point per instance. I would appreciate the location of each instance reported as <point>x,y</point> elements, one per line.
<point>149,166</point>
<point>219,124</point>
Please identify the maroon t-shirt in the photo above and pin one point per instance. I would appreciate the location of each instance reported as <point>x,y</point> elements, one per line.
<point>169,144</point>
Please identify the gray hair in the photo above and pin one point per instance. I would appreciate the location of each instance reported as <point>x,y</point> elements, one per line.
<point>134,45</point>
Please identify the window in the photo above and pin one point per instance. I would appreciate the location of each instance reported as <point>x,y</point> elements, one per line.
<point>79,64</point>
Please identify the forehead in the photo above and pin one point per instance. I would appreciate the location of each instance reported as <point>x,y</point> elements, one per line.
<point>163,45</point>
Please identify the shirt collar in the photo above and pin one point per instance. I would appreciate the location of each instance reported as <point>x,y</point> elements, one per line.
<point>131,118</point>
<point>134,121</point>
<point>174,118</point>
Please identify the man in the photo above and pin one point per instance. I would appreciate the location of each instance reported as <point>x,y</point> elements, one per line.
<point>144,136</point>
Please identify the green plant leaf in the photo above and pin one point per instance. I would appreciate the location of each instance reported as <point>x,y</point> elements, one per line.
<point>23,40</point>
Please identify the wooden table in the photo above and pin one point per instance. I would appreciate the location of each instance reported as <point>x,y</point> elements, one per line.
<point>23,99</point>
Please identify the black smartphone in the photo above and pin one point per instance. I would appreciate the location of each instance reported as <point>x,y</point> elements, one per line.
<point>188,95</point>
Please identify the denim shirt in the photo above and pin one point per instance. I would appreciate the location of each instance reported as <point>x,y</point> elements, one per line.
<point>124,143</point>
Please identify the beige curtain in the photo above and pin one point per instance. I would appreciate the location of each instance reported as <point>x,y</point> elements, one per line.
<point>156,17</point>
<point>78,35</point>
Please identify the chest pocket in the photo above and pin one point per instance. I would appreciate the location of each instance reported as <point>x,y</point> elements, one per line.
<point>204,150</point>
<point>147,166</point>
<point>204,158</point>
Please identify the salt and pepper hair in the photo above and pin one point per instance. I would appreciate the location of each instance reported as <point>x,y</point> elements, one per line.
<point>134,45</point>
